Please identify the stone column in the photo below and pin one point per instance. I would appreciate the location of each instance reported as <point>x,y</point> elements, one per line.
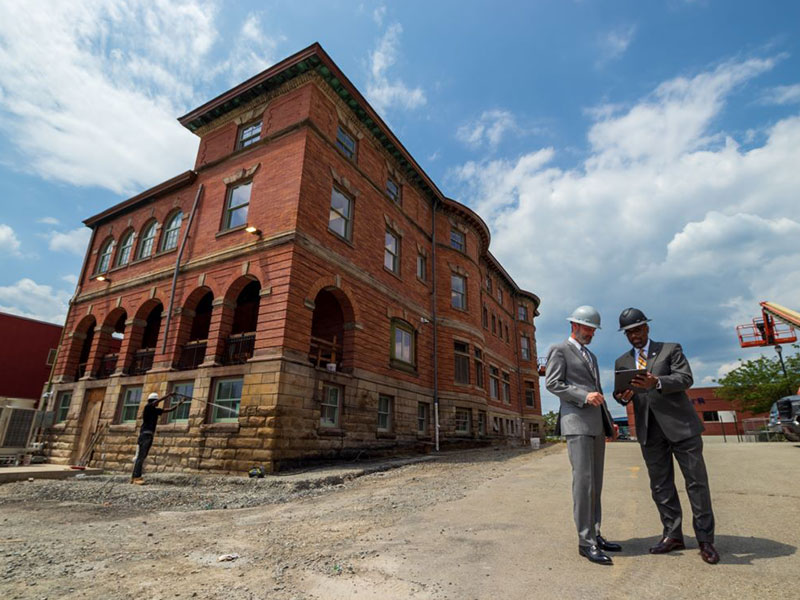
<point>220,328</point>
<point>134,332</point>
<point>100,347</point>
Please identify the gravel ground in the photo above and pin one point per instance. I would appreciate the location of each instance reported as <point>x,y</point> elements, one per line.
<point>100,537</point>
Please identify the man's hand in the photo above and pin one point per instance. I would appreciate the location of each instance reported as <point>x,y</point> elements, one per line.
<point>594,399</point>
<point>648,381</point>
<point>625,396</point>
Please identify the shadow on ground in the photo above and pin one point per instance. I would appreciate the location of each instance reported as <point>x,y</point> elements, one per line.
<point>733,549</point>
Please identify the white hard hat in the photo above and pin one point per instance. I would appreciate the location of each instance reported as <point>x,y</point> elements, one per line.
<point>585,315</point>
<point>153,396</point>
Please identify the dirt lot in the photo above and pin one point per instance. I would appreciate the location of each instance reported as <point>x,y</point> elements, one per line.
<point>475,524</point>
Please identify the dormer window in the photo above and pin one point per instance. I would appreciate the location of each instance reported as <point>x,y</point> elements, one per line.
<point>104,260</point>
<point>458,240</point>
<point>171,232</point>
<point>248,134</point>
<point>393,190</point>
<point>125,247</point>
<point>345,143</point>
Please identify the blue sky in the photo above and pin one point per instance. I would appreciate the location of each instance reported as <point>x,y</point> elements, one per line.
<point>622,153</point>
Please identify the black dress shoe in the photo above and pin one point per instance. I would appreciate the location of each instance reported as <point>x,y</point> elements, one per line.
<point>708,553</point>
<point>594,554</point>
<point>607,546</point>
<point>667,544</point>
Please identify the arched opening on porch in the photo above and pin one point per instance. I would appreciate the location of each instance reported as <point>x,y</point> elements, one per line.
<point>241,341</point>
<point>332,330</point>
<point>193,328</point>
<point>80,347</point>
<point>150,312</point>
<point>110,341</point>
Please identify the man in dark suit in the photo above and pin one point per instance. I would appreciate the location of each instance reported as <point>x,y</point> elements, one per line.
<point>573,376</point>
<point>666,426</point>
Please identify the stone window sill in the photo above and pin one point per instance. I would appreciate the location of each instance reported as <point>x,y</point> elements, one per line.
<point>330,431</point>
<point>122,428</point>
<point>231,230</point>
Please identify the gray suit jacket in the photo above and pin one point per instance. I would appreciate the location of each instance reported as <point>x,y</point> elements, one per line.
<point>670,405</point>
<point>570,378</point>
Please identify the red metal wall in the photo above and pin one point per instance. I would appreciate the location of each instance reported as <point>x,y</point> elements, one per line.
<point>24,346</point>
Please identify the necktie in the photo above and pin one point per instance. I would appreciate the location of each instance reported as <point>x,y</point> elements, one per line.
<point>587,358</point>
<point>641,361</point>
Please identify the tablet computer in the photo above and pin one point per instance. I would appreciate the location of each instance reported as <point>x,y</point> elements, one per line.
<point>622,379</point>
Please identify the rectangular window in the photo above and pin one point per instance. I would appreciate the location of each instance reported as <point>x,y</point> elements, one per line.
<point>461,354</point>
<point>500,328</point>
<point>393,189</point>
<point>500,295</point>
<point>494,324</point>
<point>331,405</point>
<point>481,422</point>
<point>131,398</point>
<point>526,348</point>
<point>236,205</point>
<point>227,397</point>
<point>422,267</point>
<point>485,318</point>
<point>458,240</point>
<point>478,368</point>
<point>248,134</point>
<point>423,412</point>
<point>346,143</point>
<point>391,252</point>
<point>402,343</point>
<point>340,219</point>
<point>186,391</point>
<point>506,388</point>
<point>494,382</point>
<point>508,337</point>
<point>384,412</point>
<point>488,284</point>
<point>711,416</point>
<point>458,291</point>
<point>463,417</point>
<point>530,396</point>
<point>522,312</point>
<point>51,357</point>
<point>62,406</point>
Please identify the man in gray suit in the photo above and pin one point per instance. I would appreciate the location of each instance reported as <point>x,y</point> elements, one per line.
<point>667,425</point>
<point>573,376</point>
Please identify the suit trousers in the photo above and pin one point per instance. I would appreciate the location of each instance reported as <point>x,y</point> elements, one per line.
<point>658,452</point>
<point>587,456</point>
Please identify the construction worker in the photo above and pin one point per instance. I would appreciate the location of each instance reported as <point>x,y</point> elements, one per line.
<point>150,416</point>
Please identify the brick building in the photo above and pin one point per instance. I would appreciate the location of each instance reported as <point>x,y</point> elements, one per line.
<point>26,358</point>
<point>306,284</point>
<point>708,408</point>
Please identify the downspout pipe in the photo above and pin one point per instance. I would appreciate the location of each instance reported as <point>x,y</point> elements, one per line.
<point>435,329</point>
<point>178,266</point>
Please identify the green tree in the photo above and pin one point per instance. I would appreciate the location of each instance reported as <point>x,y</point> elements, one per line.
<point>755,384</point>
<point>550,419</point>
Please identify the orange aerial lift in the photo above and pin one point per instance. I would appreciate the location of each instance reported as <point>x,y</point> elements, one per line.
<point>775,326</point>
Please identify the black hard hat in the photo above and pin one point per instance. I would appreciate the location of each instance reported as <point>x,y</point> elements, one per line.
<point>631,317</point>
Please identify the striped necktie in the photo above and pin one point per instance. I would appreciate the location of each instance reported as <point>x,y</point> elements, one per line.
<point>641,361</point>
<point>588,359</point>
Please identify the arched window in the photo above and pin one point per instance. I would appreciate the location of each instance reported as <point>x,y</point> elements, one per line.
<point>148,237</point>
<point>125,247</point>
<point>173,227</point>
<point>104,258</point>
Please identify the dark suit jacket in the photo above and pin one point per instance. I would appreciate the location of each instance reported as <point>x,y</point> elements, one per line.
<point>670,405</point>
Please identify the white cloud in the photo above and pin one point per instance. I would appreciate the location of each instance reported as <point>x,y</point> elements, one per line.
<point>90,91</point>
<point>48,221</point>
<point>29,299</point>
<point>8,240</point>
<point>71,279</point>
<point>782,94</point>
<point>614,43</point>
<point>666,213</point>
<point>382,92</point>
<point>488,129</point>
<point>379,14</point>
<point>74,241</point>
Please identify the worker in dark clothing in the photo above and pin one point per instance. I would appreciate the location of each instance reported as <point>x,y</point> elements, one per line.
<point>150,416</point>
